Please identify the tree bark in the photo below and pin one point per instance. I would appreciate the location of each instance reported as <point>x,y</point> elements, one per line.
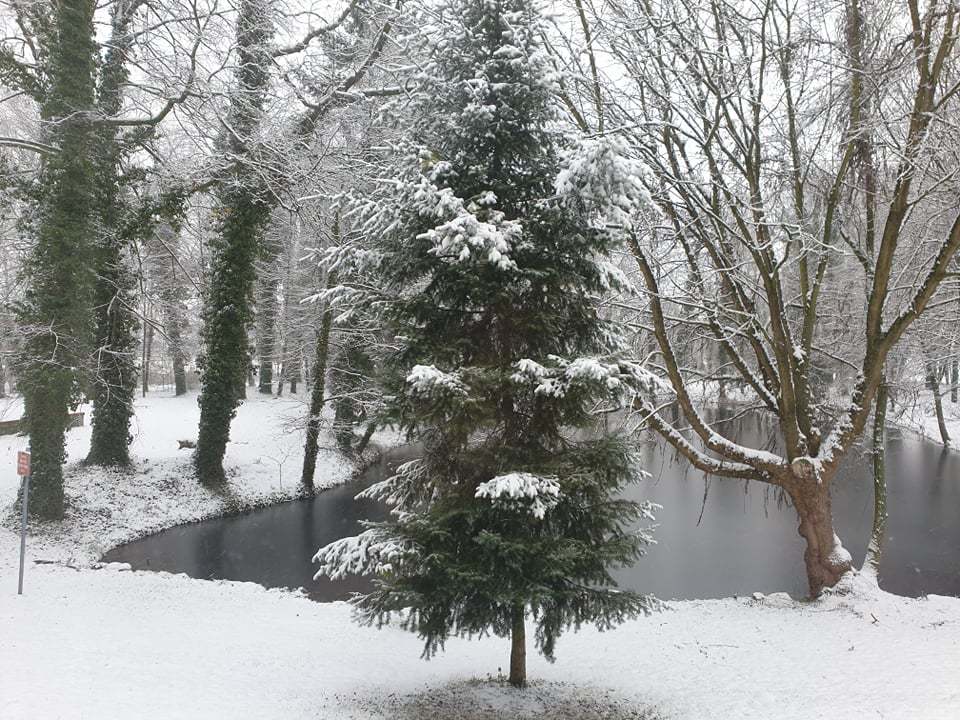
<point>954,379</point>
<point>179,367</point>
<point>147,351</point>
<point>321,354</point>
<point>933,383</point>
<point>267,326</point>
<point>518,649</point>
<point>871,564</point>
<point>825,558</point>
<point>365,440</point>
<point>173,323</point>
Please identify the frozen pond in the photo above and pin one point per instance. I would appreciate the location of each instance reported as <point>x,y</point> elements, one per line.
<point>715,538</point>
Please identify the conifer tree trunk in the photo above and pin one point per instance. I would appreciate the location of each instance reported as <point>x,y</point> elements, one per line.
<point>172,323</point>
<point>170,293</point>
<point>284,368</point>
<point>244,209</point>
<point>58,309</point>
<point>267,328</point>
<point>518,649</point>
<point>147,351</point>
<point>179,366</point>
<point>295,374</point>
<point>321,355</point>
<point>114,377</point>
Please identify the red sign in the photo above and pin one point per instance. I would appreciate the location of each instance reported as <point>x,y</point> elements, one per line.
<point>23,463</point>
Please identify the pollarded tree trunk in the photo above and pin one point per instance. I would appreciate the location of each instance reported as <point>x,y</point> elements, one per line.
<point>825,558</point>
<point>518,649</point>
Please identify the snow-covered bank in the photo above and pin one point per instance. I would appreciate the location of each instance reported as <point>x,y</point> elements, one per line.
<point>919,416</point>
<point>110,644</point>
<point>106,507</point>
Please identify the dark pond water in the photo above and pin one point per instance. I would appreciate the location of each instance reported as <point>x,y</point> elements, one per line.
<point>715,538</point>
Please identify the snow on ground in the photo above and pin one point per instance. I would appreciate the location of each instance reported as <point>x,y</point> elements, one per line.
<point>11,407</point>
<point>107,507</point>
<point>919,415</point>
<point>116,644</point>
<point>109,643</point>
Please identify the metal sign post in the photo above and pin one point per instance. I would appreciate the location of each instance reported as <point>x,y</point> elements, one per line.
<point>23,470</point>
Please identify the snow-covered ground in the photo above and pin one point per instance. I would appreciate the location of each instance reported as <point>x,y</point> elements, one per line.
<point>109,643</point>
<point>107,508</point>
<point>112,644</point>
<point>919,415</point>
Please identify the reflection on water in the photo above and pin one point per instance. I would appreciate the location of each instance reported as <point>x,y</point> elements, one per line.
<point>716,537</point>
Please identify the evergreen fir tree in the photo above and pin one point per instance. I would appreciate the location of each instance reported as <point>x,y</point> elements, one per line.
<point>489,257</point>
<point>57,307</point>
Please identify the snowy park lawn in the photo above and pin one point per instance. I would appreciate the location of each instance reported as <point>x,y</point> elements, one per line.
<point>108,643</point>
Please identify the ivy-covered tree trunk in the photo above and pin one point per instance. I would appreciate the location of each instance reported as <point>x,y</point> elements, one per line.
<point>242,212</point>
<point>321,354</point>
<point>114,371</point>
<point>57,308</point>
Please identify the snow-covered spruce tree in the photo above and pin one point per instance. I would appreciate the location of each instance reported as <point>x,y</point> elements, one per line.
<point>489,276</point>
<point>56,310</point>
